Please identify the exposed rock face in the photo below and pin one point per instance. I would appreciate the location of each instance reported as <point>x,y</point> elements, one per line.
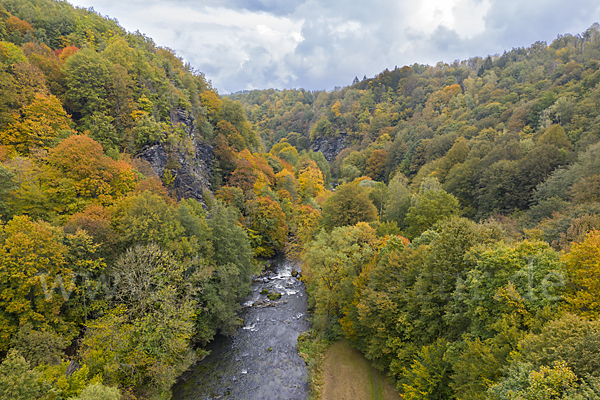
<point>192,173</point>
<point>330,147</point>
<point>72,368</point>
<point>181,117</point>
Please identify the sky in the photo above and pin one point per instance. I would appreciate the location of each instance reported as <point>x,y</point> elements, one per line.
<point>321,44</point>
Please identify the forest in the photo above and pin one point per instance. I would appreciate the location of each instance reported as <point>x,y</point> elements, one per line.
<point>447,217</point>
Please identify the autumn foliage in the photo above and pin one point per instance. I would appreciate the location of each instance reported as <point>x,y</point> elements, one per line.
<point>583,267</point>
<point>489,166</point>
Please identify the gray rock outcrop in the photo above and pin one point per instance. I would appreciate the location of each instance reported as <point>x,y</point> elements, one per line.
<point>330,147</point>
<point>189,174</point>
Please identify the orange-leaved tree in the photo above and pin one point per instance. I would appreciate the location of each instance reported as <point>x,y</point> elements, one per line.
<point>94,175</point>
<point>285,180</point>
<point>376,165</point>
<point>253,172</point>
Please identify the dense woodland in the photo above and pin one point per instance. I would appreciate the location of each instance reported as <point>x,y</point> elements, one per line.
<point>458,250</point>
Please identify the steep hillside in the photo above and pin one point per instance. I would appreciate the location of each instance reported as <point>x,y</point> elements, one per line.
<point>489,129</point>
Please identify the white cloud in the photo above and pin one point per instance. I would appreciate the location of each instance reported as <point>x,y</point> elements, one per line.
<point>427,15</point>
<point>469,17</point>
<point>319,44</point>
<point>226,43</point>
<point>347,28</point>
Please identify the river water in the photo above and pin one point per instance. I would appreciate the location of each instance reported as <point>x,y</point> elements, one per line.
<point>261,360</point>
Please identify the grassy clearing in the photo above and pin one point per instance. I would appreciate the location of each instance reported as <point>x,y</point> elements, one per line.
<point>339,372</point>
<point>347,374</point>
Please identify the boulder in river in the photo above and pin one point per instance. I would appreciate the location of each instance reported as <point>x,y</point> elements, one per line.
<point>274,296</point>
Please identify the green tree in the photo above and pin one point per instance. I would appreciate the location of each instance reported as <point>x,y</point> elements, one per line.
<point>348,205</point>
<point>18,381</point>
<point>570,339</point>
<point>322,163</point>
<point>98,391</point>
<point>508,281</point>
<point>153,300</point>
<point>321,129</point>
<point>333,261</point>
<point>428,375</point>
<point>498,189</point>
<point>147,218</point>
<point>233,112</point>
<point>219,300</point>
<point>88,80</point>
<point>101,127</point>
<point>39,346</point>
<point>555,136</point>
<point>145,130</point>
<point>461,182</point>
<point>433,204</point>
<point>266,220</point>
<point>377,320</point>
<point>398,200</point>
<point>475,368</point>
<point>395,156</point>
<point>562,179</point>
<point>353,165</point>
<point>443,270</point>
<point>549,382</point>
<point>534,168</point>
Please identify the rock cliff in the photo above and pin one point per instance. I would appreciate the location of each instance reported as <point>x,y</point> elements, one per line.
<point>185,174</point>
<point>330,147</point>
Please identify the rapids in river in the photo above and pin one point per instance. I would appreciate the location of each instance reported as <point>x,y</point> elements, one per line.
<point>260,361</point>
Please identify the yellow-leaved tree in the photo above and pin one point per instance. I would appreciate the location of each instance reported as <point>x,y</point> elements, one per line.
<point>35,280</point>
<point>310,180</point>
<point>583,269</point>
<point>40,124</point>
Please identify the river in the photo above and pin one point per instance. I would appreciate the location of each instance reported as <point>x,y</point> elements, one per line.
<point>261,360</point>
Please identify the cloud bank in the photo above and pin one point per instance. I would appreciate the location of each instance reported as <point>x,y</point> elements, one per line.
<point>320,44</point>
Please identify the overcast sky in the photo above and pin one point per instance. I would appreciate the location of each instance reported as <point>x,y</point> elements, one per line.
<point>320,44</point>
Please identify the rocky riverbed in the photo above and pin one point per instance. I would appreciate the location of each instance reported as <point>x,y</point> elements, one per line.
<point>261,360</point>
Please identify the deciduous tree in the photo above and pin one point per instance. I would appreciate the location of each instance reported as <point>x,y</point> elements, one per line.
<point>267,222</point>
<point>40,125</point>
<point>583,268</point>
<point>35,280</point>
<point>333,261</point>
<point>348,205</point>
<point>430,206</point>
